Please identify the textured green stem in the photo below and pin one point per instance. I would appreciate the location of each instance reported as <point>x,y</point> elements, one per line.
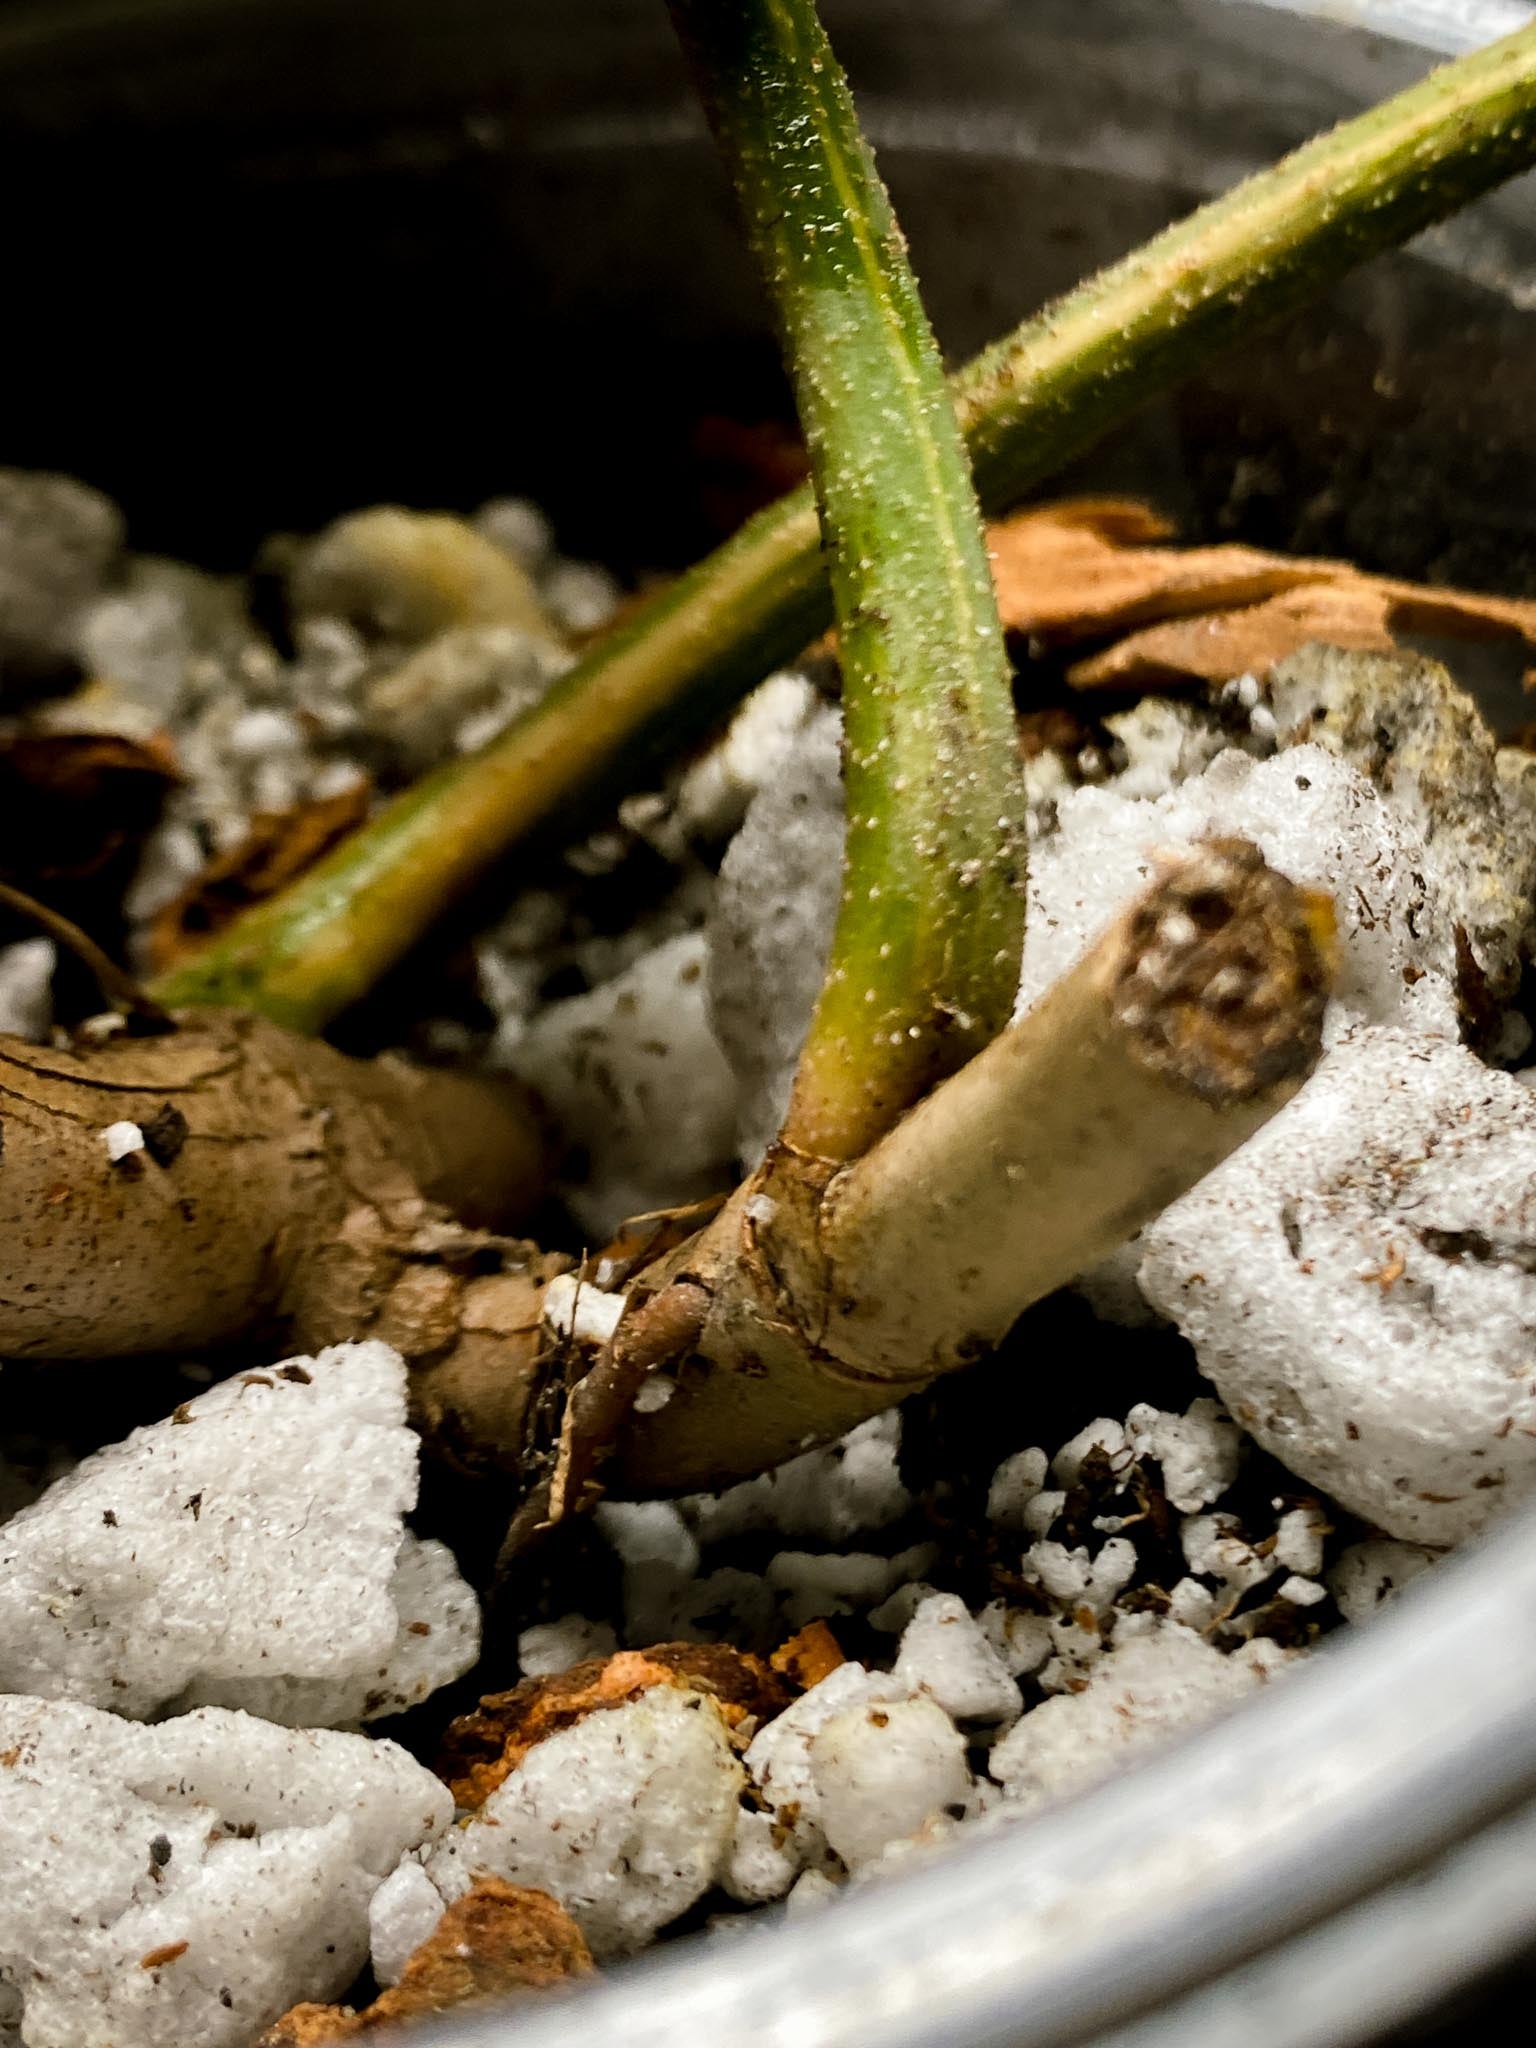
<point>1029,404</point>
<point>1055,384</point>
<point>660,679</point>
<point>924,961</point>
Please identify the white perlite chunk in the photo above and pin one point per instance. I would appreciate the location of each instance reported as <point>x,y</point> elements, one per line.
<point>1023,1641</point>
<point>634,1077</point>
<point>519,529</point>
<point>1299,1537</point>
<point>761,1863</point>
<point>1368,1575</point>
<point>551,1646</point>
<point>726,1602</point>
<point>893,1613</point>
<point>1110,1289</point>
<point>1164,743</point>
<point>1074,1578</point>
<point>1199,1451</point>
<point>1018,1481</point>
<point>401,1914</point>
<point>188,1882</point>
<point>714,791</point>
<point>659,1557</point>
<point>852,1485</point>
<point>1156,1679</point>
<point>121,1139</point>
<point>437,1639</point>
<point>456,692</point>
<point>1360,1283</point>
<point>1403,722</point>
<point>573,1307</point>
<point>160,643</point>
<point>626,1819</point>
<point>779,1758</point>
<point>1103,1438</point>
<point>771,926</point>
<point>1301,1592</point>
<point>812,1890</point>
<point>883,1772</point>
<point>248,1550</point>
<point>945,1654</point>
<point>812,1584</point>
<point>1317,820</point>
<point>581,596</point>
<point>1215,1546</point>
<point>26,988</point>
<point>58,540</point>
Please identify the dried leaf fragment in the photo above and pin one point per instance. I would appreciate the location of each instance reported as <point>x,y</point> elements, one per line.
<point>1076,571</point>
<point>641,1240</point>
<point>1090,569</point>
<point>1250,640</point>
<point>75,810</point>
<point>279,846</point>
<point>1365,614</point>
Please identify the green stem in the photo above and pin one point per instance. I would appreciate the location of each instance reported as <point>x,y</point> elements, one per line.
<point>924,962</point>
<point>660,679</point>
<point>1027,405</point>
<point>1054,385</point>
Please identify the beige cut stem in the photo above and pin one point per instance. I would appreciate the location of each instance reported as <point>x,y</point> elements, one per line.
<point>1180,1032</point>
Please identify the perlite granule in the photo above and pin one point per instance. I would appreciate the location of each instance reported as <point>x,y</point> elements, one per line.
<point>625,1819</point>
<point>1359,1281</point>
<point>247,1551</point>
<point>187,1882</point>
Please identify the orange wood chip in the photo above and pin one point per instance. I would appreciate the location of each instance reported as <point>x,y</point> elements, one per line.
<point>807,1657</point>
<point>498,1940</point>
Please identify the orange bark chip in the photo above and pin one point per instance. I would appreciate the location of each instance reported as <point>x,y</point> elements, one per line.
<point>807,1658</point>
<point>496,1941</point>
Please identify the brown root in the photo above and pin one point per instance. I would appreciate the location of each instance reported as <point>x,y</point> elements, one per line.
<point>268,1186</point>
<point>119,987</point>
